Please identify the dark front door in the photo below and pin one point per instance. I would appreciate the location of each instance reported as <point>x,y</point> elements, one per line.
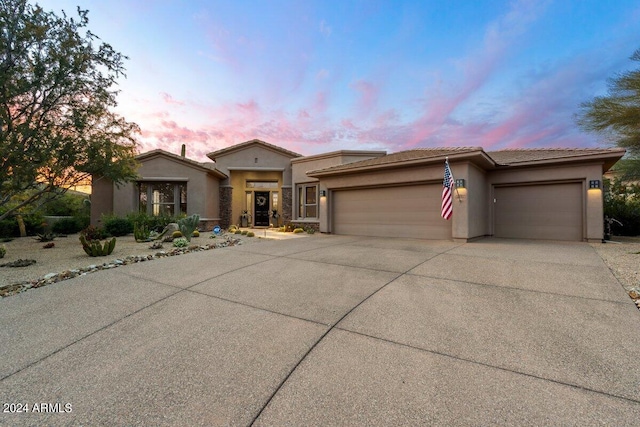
<point>261,209</point>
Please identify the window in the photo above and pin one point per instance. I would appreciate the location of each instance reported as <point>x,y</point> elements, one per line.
<point>307,201</point>
<point>162,198</point>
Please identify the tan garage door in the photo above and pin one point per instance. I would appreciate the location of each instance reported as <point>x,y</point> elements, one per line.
<point>407,211</point>
<point>552,211</point>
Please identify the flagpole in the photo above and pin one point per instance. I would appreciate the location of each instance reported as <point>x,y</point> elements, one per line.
<point>454,181</point>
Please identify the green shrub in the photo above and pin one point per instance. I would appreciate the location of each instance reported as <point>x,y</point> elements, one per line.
<point>3,251</point>
<point>93,233</point>
<point>141,232</point>
<point>66,226</point>
<point>116,226</point>
<point>9,228</point>
<point>67,204</point>
<point>180,242</point>
<point>622,202</point>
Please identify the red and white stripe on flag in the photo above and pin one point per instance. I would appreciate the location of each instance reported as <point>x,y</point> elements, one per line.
<point>447,188</point>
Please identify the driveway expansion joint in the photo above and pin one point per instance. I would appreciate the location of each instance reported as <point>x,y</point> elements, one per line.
<point>475,362</point>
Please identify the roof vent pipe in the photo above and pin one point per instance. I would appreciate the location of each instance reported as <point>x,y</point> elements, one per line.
<point>183,152</point>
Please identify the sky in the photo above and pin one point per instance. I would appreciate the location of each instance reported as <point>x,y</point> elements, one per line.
<point>315,76</point>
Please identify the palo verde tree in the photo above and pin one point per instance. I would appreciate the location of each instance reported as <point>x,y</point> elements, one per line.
<point>617,116</point>
<point>57,127</point>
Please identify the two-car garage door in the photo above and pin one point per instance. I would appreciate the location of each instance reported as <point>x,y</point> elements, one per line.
<point>549,211</point>
<point>400,211</point>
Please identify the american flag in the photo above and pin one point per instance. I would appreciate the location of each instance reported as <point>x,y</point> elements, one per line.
<point>447,188</point>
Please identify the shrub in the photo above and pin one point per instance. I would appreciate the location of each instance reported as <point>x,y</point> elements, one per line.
<point>141,232</point>
<point>180,242</point>
<point>176,234</point>
<point>66,226</point>
<point>9,228</point>
<point>3,251</point>
<point>67,204</point>
<point>93,233</point>
<point>115,226</point>
<point>622,202</point>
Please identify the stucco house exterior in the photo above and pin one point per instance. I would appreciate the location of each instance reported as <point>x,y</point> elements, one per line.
<point>525,193</point>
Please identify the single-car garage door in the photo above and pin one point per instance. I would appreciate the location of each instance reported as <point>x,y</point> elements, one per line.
<point>405,211</point>
<point>551,211</point>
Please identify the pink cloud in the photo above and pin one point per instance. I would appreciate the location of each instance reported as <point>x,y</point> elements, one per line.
<point>169,99</point>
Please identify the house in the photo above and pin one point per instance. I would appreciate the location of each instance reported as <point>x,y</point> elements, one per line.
<point>524,193</point>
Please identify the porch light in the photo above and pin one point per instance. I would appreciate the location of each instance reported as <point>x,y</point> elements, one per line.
<point>460,183</point>
<point>323,193</point>
<point>595,183</point>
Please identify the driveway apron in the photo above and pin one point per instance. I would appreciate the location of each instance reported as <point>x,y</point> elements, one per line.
<point>330,330</point>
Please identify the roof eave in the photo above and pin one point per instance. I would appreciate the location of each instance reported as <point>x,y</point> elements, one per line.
<point>476,156</point>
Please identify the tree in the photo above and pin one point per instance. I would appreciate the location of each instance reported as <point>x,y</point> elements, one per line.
<point>617,115</point>
<point>56,99</point>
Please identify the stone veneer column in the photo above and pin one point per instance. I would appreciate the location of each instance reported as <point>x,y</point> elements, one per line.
<point>226,195</point>
<point>287,202</point>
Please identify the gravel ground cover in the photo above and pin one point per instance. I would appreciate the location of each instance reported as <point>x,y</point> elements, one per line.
<point>622,256</point>
<point>67,259</point>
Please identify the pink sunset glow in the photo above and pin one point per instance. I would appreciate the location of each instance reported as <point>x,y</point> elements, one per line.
<point>320,76</point>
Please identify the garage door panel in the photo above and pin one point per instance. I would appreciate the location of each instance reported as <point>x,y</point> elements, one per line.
<point>552,211</point>
<point>407,211</point>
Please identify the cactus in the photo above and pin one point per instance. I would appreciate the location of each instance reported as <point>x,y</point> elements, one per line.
<point>176,234</point>
<point>188,225</point>
<point>141,232</point>
<point>95,248</point>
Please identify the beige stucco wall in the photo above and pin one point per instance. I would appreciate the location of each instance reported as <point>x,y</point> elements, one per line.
<point>202,187</point>
<point>302,165</point>
<point>101,198</point>
<point>255,157</point>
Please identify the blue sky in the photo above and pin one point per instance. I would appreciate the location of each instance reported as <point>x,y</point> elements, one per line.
<point>317,76</point>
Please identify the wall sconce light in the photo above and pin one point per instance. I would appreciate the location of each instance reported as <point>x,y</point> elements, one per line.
<point>595,183</point>
<point>323,193</point>
<point>460,183</point>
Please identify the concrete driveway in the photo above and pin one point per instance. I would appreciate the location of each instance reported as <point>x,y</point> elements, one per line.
<point>330,330</point>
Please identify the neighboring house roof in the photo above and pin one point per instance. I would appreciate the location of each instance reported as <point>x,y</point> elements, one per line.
<point>410,157</point>
<point>207,167</point>
<point>521,157</point>
<point>243,145</point>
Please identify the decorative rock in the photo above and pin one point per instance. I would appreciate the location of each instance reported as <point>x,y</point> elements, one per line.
<point>50,276</point>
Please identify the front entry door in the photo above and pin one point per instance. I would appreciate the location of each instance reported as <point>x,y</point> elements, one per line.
<point>261,209</point>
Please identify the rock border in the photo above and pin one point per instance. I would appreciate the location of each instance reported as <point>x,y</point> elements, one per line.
<point>17,288</point>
